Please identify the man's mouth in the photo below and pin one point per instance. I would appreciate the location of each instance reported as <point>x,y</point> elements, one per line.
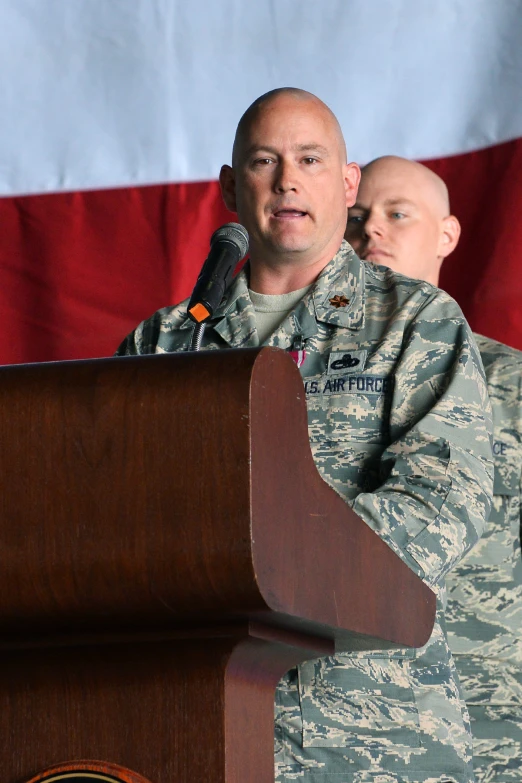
<point>375,253</point>
<point>288,213</point>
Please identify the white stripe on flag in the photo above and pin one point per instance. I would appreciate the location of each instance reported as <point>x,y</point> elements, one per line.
<point>97,93</point>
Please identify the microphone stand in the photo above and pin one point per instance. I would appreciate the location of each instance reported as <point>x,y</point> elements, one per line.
<point>197,337</point>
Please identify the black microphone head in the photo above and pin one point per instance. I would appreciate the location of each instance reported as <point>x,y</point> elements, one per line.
<point>235,233</point>
<point>228,245</point>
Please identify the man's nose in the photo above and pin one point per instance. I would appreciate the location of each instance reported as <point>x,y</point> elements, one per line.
<point>286,177</point>
<point>372,227</point>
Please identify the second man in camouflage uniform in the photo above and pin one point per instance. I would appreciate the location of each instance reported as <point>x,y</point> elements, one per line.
<point>402,220</point>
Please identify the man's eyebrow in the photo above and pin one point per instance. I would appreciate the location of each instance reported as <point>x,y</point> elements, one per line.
<point>389,202</point>
<point>310,147</point>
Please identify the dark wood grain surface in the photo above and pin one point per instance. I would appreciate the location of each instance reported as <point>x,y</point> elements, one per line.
<point>174,712</point>
<point>167,551</point>
<point>140,491</point>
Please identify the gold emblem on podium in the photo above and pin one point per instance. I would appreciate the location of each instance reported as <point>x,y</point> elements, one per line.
<point>88,772</point>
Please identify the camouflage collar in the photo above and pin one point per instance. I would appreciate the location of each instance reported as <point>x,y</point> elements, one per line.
<point>235,318</point>
<point>337,299</point>
<point>338,295</point>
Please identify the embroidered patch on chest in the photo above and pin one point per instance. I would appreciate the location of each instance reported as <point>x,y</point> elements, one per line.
<point>346,362</point>
<point>360,384</point>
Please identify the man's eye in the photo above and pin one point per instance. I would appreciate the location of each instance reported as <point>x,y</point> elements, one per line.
<point>355,219</point>
<point>262,161</point>
<point>309,160</point>
<point>398,215</point>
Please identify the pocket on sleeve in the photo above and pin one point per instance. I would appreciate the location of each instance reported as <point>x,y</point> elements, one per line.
<point>348,702</point>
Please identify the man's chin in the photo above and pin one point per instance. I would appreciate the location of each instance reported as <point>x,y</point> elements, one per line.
<point>287,242</point>
<point>377,257</point>
<point>287,248</point>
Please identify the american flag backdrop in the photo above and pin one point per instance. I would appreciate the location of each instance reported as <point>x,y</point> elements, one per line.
<point>116,116</point>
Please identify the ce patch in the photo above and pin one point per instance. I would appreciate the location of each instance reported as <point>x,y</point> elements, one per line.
<point>346,362</point>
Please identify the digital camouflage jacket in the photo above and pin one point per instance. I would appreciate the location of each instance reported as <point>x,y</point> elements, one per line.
<point>400,426</point>
<point>484,614</point>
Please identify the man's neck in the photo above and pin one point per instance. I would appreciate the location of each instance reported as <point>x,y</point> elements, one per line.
<point>277,279</point>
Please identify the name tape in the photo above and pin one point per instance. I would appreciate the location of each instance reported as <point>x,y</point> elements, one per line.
<point>354,384</point>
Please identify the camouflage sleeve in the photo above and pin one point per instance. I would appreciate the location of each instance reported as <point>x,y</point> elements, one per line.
<point>437,473</point>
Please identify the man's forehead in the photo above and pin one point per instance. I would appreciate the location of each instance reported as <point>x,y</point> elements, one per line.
<point>398,179</point>
<point>283,115</point>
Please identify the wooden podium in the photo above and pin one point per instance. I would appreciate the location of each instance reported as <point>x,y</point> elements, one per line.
<point>167,551</point>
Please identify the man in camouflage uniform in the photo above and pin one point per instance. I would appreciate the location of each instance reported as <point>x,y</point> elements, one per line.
<point>402,219</point>
<point>399,426</point>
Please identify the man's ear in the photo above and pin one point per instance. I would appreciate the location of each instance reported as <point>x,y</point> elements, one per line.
<point>227,183</point>
<point>449,236</point>
<point>352,177</point>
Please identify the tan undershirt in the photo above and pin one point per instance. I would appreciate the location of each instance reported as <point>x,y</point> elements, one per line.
<point>271,310</point>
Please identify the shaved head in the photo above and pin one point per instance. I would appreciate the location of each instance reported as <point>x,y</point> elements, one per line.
<point>427,179</point>
<point>266,101</point>
<point>402,219</point>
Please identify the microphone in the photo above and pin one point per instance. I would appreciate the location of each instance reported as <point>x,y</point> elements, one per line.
<point>228,245</point>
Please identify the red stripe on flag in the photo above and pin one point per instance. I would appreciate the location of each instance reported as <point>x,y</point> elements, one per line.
<point>484,274</point>
<point>79,270</point>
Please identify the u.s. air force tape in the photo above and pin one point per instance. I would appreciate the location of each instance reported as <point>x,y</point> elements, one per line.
<point>353,384</point>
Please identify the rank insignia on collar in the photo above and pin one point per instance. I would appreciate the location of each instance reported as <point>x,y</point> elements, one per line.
<point>339,301</point>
